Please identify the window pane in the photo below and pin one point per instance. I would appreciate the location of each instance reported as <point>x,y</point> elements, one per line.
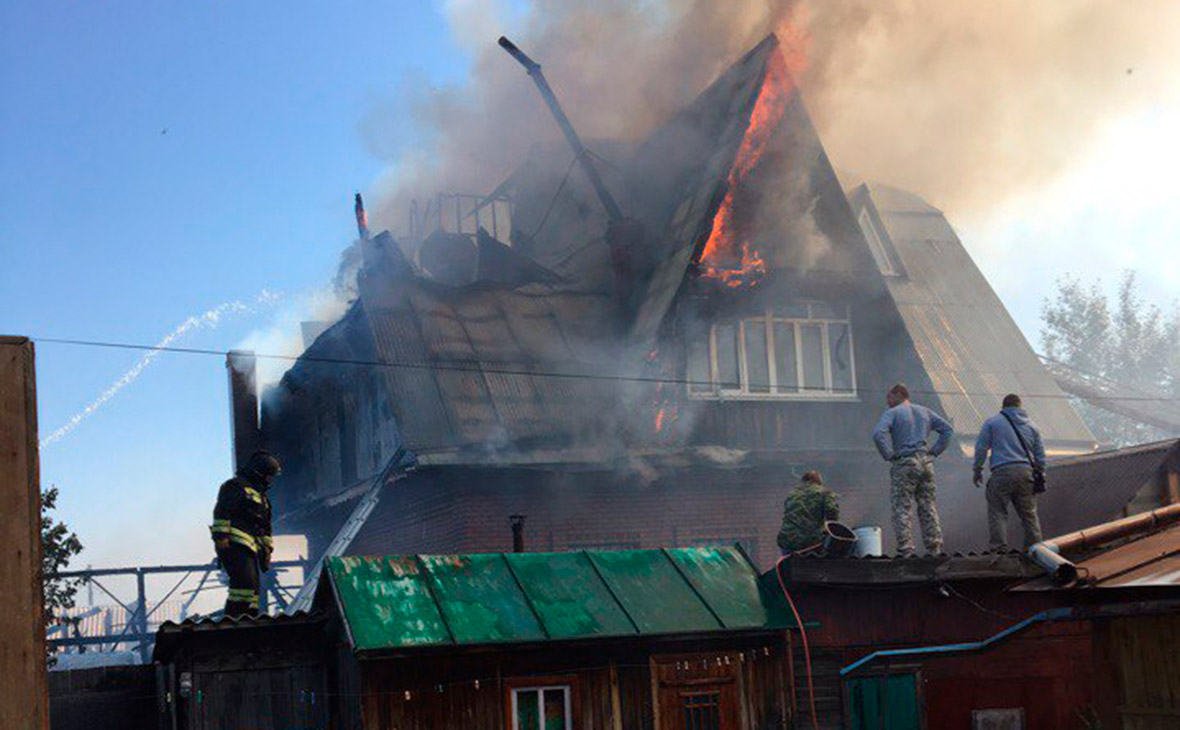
<point>840,340</point>
<point>797,310</point>
<point>727,356</point>
<point>757,368</point>
<point>821,310</point>
<point>554,709</point>
<point>813,358</point>
<point>700,380</point>
<point>784,357</point>
<point>876,246</point>
<point>702,711</point>
<point>527,712</point>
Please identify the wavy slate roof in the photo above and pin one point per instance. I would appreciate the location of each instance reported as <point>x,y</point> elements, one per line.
<point>408,602</point>
<point>1101,484</point>
<point>971,347</point>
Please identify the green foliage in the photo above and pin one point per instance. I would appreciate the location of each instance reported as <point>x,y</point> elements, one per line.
<point>58,545</point>
<point>1124,340</point>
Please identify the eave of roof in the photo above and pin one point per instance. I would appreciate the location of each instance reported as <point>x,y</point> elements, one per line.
<point>925,569</point>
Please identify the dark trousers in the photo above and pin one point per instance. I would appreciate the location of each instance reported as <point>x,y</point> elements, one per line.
<point>241,564</point>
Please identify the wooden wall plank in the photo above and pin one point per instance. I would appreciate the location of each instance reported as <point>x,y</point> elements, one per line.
<point>24,693</point>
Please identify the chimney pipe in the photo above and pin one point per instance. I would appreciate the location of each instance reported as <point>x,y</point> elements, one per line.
<point>362,219</point>
<point>241,368</point>
<point>517,533</point>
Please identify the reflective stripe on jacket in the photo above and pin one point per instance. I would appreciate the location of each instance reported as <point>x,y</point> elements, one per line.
<point>242,516</point>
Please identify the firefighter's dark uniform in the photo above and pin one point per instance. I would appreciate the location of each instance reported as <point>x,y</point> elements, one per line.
<point>242,538</point>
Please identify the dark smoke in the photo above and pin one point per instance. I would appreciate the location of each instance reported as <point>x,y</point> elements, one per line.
<point>965,103</point>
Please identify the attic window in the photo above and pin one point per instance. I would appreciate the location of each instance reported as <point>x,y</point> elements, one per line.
<point>802,351</point>
<point>876,245</point>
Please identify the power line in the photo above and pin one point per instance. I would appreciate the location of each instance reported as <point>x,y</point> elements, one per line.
<point>474,366</point>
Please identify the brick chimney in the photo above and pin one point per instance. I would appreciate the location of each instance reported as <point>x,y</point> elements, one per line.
<point>241,368</point>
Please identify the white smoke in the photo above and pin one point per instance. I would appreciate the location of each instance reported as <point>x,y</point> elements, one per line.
<point>279,342</point>
<point>209,319</point>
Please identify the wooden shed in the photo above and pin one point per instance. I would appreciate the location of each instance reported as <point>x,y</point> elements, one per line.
<point>623,640</point>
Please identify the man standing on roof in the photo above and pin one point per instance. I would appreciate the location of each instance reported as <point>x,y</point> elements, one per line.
<point>1017,458</point>
<point>901,436</point>
<point>805,510</point>
<point>241,530</point>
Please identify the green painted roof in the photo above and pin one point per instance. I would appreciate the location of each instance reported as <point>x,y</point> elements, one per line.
<point>494,598</point>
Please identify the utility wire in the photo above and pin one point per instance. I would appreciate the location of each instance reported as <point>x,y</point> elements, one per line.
<point>473,366</point>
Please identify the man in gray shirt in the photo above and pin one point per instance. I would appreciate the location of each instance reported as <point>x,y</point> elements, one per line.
<point>901,436</point>
<point>1011,479</point>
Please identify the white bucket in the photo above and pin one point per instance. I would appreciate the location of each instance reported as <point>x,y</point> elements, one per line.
<point>868,541</point>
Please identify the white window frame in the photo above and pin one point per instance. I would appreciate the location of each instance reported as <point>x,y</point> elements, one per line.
<point>876,244</point>
<point>716,390</point>
<point>540,689</point>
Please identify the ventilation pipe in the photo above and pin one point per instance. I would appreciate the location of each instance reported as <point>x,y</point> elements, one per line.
<point>241,367</point>
<point>517,533</point>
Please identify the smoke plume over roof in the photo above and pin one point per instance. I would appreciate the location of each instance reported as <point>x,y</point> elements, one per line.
<point>963,102</point>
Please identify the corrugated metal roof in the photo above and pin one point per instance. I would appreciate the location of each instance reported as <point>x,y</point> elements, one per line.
<point>969,344</point>
<point>171,634</point>
<point>1099,484</point>
<point>396,603</point>
<point>475,333</point>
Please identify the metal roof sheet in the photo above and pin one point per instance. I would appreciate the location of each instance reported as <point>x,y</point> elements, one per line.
<point>1099,484</point>
<point>1150,561</point>
<point>969,344</point>
<point>495,598</point>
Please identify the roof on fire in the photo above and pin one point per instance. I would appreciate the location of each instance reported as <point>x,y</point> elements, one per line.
<point>418,601</point>
<point>971,347</point>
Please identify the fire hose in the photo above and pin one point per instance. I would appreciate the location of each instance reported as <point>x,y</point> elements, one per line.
<point>778,573</point>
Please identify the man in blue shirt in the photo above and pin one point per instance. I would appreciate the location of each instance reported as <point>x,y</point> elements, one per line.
<point>1011,478</point>
<point>901,436</point>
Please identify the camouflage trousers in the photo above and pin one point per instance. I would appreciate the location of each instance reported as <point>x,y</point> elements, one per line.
<point>1012,484</point>
<point>912,480</point>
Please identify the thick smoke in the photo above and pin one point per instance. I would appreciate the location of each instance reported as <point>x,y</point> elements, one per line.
<point>966,103</point>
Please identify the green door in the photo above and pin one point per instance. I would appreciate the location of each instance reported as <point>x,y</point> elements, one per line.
<point>884,702</point>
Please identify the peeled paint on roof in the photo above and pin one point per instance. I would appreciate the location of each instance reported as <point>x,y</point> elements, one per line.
<point>494,598</point>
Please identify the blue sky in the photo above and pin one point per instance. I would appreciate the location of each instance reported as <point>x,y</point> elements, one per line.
<point>157,160</point>
<point>160,159</point>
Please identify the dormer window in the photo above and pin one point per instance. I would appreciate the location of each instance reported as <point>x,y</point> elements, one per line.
<point>803,351</point>
<point>876,244</point>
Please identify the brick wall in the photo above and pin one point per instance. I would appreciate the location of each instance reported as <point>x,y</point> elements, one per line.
<point>466,510</point>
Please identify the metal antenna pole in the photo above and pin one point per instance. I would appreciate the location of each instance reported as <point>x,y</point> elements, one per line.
<point>613,212</point>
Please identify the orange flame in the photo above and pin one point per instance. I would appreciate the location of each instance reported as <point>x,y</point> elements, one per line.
<point>722,248</point>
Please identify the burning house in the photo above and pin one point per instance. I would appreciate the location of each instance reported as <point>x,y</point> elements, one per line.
<point>644,352</point>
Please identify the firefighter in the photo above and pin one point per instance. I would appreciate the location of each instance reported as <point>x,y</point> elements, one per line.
<point>805,511</point>
<point>241,530</point>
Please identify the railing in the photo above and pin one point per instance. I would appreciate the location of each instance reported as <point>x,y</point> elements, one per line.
<point>135,630</point>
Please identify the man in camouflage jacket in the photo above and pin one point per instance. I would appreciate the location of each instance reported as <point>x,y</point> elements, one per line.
<point>805,510</point>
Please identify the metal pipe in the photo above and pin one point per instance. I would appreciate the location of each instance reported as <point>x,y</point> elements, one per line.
<point>613,211</point>
<point>1104,533</point>
<point>517,532</point>
<point>362,218</point>
<point>1048,553</point>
